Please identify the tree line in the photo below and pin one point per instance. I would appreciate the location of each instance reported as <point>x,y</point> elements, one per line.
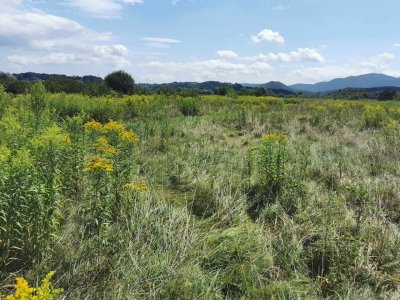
<point>122,83</point>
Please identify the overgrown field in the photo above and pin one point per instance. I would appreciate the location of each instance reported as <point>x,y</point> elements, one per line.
<point>156,197</point>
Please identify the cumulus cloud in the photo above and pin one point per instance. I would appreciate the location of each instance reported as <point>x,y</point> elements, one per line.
<point>269,36</point>
<point>227,54</point>
<point>52,58</point>
<point>114,56</point>
<point>379,62</point>
<point>396,45</point>
<point>159,42</point>
<point>44,31</point>
<point>158,78</point>
<point>9,6</point>
<point>209,70</point>
<point>102,8</point>
<point>37,38</point>
<point>316,74</point>
<point>300,55</point>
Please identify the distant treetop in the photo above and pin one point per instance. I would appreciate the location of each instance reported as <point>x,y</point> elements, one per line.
<point>120,81</point>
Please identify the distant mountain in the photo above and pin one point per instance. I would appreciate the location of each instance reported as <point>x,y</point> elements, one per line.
<point>209,86</point>
<point>276,87</point>
<point>268,85</point>
<point>32,77</point>
<point>366,81</point>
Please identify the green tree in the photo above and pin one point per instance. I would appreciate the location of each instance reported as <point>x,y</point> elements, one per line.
<point>121,82</point>
<point>63,84</point>
<point>387,94</point>
<point>17,87</point>
<point>261,91</point>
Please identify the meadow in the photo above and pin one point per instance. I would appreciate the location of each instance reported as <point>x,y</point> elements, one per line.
<point>211,197</point>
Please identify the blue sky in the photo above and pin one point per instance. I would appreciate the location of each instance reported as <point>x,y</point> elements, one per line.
<point>251,41</point>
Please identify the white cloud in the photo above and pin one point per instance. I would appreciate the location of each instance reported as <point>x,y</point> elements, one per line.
<point>378,63</point>
<point>157,42</point>
<point>209,70</point>
<point>300,55</point>
<point>52,58</point>
<point>396,45</point>
<point>10,5</point>
<point>115,56</point>
<point>56,40</point>
<point>317,74</point>
<point>102,8</point>
<point>43,31</point>
<point>158,78</point>
<point>269,36</point>
<point>227,54</point>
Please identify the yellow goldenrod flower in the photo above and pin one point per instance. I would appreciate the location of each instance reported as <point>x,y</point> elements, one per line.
<point>320,107</point>
<point>139,186</point>
<point>99,163</point>
<point>129,136</point>
<point>43,292</point>
<point>275,137</point>
<point>93,125</point>
<point>103,146</point>
<point>113,126</point>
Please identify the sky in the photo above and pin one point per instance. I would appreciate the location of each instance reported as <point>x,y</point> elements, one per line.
<point>244,41</point>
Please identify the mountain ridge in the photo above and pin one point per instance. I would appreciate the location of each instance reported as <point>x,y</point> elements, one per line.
<point>364,81</point>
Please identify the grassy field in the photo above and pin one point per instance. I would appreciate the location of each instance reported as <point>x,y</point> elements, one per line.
<point>155,197</point>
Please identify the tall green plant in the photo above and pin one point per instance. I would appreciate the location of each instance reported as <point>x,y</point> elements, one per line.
<point>271,161</point>
<point>38,100</point>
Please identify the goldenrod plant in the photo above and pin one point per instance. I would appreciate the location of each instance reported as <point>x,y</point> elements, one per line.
<point>45,291</point>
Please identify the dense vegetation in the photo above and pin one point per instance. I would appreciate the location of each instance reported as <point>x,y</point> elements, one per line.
<point>119,82</point>
<point>211,197</point>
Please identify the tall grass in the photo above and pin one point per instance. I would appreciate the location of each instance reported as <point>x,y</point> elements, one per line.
<point>161,197</point>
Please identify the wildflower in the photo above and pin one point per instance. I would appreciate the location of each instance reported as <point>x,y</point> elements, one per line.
<point>139,186</point>
<point>320,107</point>
<point>99,163</point>
<point>22,290</point>
<point>103,146</point>
<point>129,136</point>
<point>93,125</point>
<point>43,292</point>
<point>275,137</point>
<point>113,126</point>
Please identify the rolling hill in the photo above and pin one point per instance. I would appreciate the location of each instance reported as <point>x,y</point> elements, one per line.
<point>366,81</point>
